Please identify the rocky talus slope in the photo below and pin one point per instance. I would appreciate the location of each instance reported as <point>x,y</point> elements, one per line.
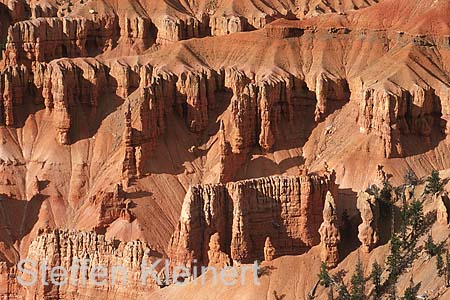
<point>214,133</point>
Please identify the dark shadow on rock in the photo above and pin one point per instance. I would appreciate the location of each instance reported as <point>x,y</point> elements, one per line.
<point>348,220</point>
<point>265,217</point>
<point>137,195</point>
<point>188,146</point>
<point>410,136</point>
<point>21,215</point>
<point>43,184</point>
<point>86,119</point>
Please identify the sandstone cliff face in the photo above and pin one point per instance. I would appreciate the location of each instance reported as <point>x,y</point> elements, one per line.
<point>9,288</point>
<point>60,248</point>
<point>42,9</point>
<point>68,85</point>
<point>237,16</point>
<point>443,204</point>
<point>390,113</point>
<point>44,39</point>
<point>245,213</point>
<point>111,206</point>
<point>17,9</point>
<point>172,29</point>
<point>222,25</point>
<point>14,86</point>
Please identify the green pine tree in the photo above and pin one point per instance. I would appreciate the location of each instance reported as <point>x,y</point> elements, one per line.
<point>394,260</point>
<point>343,292</point>
<point>324,277</point>
<point>357,283</point>
<point>412,291</point>
<point>430,246</point>
<point>440,264</point>
<point>434,183</point>
<point>447,269</point>
<point>375,276</point>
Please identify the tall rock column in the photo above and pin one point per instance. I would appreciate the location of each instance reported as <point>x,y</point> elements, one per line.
<point>368,229</point>
<point>226,157</point>
<point>129,163</point>
<point>329,233</point>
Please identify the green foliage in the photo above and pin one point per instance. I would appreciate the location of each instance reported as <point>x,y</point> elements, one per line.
<point>403,251</point>
<point>358,283</point>
<point>383,196</point>
<point>434,183</point>
<point>341,288</point>
<point>413,224</point>
<point>394,260</point>
<point>386,192</point>
<point>447,269</point>
<point>373,190</point>
<point>375,276</point>
<point>324,277</point>
<point>403,245</point>
<point>410,178</point>
<point>430,247</point>
<point>434,249</point>
<point>342,292</point>
<point>440,264</point>
<point>411,291</point>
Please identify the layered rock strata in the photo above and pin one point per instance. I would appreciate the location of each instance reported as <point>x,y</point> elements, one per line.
<point>244,213</point>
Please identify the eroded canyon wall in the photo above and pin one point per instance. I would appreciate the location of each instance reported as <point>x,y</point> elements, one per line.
<point>69,248</point>
<point>245,213</point>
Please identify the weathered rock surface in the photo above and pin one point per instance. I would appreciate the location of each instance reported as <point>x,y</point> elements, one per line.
<point>14,86</point>
<point>288,209</point>
<point>44,39</point>
<point>217,258</point>
<point>329,233</point>
<point>368,229</point>
<point>111,206</point>
<point>129,167</point>
<point>269,250</point>
<point>354,88</point>
<point>443,205</point>
<point>69,85</point>
<point>391,113</point>
<point>63,248</point>
<point>237,16</point>
<point>17,9</point>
